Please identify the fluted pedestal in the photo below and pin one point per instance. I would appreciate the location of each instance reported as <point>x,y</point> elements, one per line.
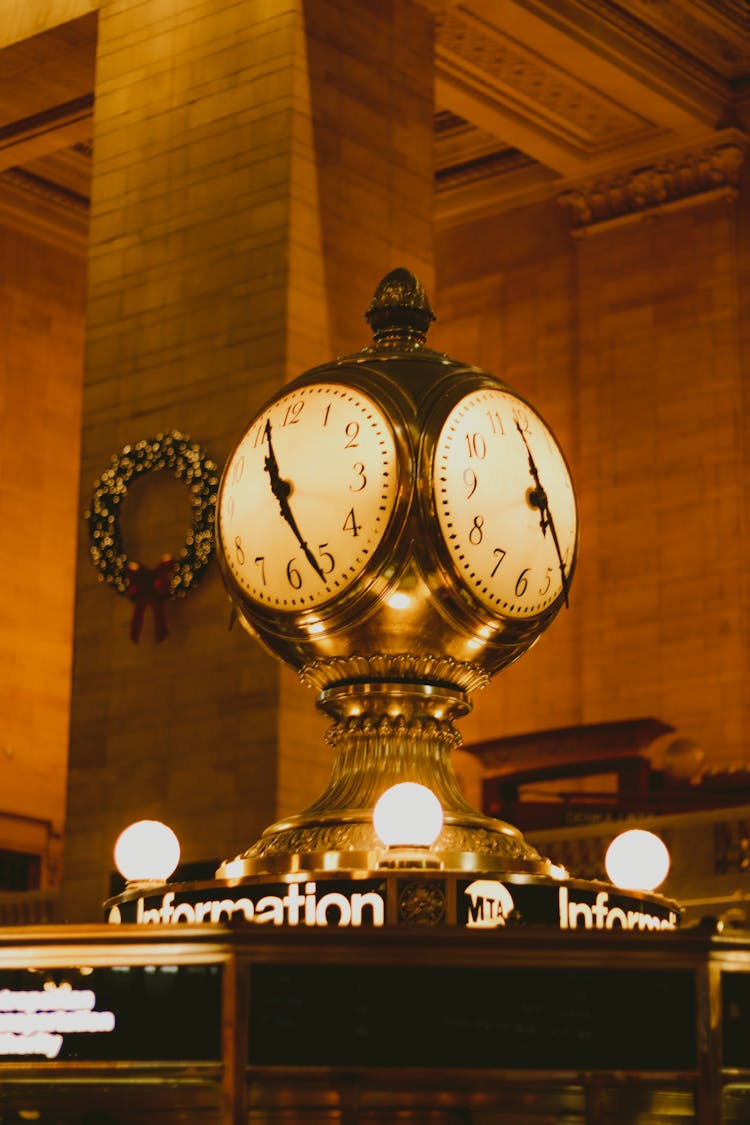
<point>385,733</point>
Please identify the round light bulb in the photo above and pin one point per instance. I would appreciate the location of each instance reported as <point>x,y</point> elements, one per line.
<point>147,851</point>
<point>637,860</point>
<point>408,815</point>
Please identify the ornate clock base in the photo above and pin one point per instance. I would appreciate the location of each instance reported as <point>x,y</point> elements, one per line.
<point>386,733</point>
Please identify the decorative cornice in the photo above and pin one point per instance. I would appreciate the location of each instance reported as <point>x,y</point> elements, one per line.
<point>475,55</point>
<point>655,186</point>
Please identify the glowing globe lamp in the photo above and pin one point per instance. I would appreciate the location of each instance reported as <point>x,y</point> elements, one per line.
<point>147,851</point>
<point>408,816</point>
<point>637,860</point>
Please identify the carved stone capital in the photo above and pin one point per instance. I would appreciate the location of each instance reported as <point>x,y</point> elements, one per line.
<point>655,186</point>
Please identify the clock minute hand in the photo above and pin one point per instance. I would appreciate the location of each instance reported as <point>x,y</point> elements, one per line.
<point>281,490</point>
<point>538,499</point>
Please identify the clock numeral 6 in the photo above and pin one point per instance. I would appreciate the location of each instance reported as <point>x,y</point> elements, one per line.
<point>238,550</point>
<point>293,575</point>
<point>522,582</point>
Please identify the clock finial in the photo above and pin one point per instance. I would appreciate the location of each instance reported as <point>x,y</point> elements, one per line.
<point>400,313</point>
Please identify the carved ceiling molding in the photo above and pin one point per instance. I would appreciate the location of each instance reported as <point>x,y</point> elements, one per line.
<point>44,209</point>
<point>689,176</point>
<point>661,45</point>
<point>477,56</point>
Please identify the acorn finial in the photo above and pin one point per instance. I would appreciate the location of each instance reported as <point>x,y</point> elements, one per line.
<point>400,312</point>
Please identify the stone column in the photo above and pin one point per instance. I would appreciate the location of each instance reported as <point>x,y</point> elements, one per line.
<point>257,168</point>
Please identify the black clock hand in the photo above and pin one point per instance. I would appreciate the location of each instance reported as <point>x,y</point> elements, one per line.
<point>538,499</point>
<point>281,490</point>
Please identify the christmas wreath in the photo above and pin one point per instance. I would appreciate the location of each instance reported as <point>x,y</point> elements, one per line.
<point>150,587</point>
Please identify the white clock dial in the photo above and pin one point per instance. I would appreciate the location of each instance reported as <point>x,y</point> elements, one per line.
<point>307,495</point>
<point>505,504</point>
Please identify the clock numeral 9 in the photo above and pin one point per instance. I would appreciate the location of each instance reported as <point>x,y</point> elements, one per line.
<point>471,481</point>
<point>477,534</point>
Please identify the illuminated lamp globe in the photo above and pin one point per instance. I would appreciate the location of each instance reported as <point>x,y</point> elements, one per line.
<point>408,816</point>
<point>147,852</point>
<point>637,860</point>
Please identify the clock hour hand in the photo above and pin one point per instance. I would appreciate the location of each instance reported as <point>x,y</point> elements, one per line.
<point>538,499</point>
<point>281,489</point>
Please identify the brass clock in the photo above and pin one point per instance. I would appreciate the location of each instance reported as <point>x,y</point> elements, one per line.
<point>398,526</point>
<point>504,504</point>
<point>307,496</point>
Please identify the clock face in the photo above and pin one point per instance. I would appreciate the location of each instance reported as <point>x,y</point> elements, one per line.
<point>505,504</point>
<point>307,495</point>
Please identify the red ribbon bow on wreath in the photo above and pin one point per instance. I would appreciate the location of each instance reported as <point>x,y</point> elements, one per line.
<point>149,588</point>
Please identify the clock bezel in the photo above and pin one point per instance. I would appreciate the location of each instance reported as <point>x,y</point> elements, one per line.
<point>362,594</point>
<point>448,583</point>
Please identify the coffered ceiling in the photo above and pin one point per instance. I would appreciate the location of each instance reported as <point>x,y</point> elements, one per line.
<point>533,98</point>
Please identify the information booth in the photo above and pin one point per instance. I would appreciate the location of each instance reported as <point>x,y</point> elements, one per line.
<point>233,1024</point>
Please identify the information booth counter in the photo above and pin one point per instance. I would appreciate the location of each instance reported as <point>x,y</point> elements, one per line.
<point>222,1024</point>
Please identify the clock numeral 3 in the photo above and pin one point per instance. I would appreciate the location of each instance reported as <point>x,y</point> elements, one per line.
<point>359,471</point>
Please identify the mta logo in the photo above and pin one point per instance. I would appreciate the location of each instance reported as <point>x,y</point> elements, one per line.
<point>490,903</point>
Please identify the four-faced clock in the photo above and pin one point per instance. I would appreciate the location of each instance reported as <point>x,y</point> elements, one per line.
<point>307,496</point>
<point>505,505</point>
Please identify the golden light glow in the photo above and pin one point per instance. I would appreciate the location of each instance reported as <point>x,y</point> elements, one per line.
<point>147,851</point>
<point>408,815</point>
<point>637,860</point>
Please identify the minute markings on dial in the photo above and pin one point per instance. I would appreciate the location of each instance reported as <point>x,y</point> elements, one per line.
<point>490,492</point>
<point>539,500</point>
<point>322,465</point>
<point>281,490</point>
